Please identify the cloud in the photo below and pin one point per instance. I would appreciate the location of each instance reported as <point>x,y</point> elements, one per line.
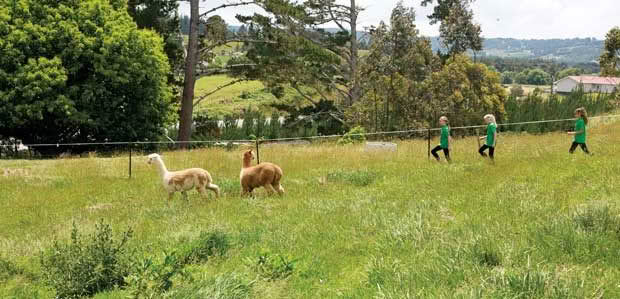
<point>537,19</point>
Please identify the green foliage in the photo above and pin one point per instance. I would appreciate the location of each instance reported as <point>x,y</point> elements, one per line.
<point>62,63</point>
<point>355,135</point>
<point>534,76</point>
<point>221,286</point>
<point>154,277</point>
<point>569,72</point>
<point>457,28</point>
<point>516,91</point>
<point>272,266</point>
<point>536,106</point>
<point>610,59</point>
<point>151,279</point>
<point>87,265</point>
<point>8,269</point>
<point>205,246</point>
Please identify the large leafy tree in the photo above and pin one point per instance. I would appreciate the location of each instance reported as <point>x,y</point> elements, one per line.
<point>162,17</point>
<point>399,60</point>
<point>79,71</point>
<point>610,59</point>
<point>215,33</point>
<point>408,87</point>
<point>457,28</point>
<point>317,63</point>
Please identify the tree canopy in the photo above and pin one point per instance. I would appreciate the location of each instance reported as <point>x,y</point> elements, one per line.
<point>610,59</point>
<point>79,71</point>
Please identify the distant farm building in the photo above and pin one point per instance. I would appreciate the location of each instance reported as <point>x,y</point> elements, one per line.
<point>590,84</point>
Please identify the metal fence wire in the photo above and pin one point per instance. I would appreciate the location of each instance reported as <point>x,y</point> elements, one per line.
<point>131,148</point>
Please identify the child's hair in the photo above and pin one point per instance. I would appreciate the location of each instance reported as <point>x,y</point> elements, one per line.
<point>491,117</point>
<point>583,114</point>
<point>444,118</point>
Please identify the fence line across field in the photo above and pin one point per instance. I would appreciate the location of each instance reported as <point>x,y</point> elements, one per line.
<point>295,138</point>
<point>257,142</point>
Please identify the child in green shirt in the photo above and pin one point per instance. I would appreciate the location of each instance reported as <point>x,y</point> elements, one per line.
<point>444,141</point>
<point>491,137</point>
<point>580,131</point>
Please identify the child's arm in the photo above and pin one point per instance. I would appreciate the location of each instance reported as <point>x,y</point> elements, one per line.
<point>494,138</point>
<point>482,137</point>
<point>576,132</point>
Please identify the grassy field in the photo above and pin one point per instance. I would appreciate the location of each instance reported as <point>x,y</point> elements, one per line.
<point>540,223</point>
<point>234,99</point>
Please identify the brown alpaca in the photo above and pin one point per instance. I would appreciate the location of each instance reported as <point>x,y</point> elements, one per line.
<point>266,174</point>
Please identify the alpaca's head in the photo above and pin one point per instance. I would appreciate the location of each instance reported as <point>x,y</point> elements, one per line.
<point>153,158</point>
<point>248,155</point>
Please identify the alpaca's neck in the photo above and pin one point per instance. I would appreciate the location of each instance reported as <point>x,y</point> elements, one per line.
<point>247,162</point>
<point>161,167</point>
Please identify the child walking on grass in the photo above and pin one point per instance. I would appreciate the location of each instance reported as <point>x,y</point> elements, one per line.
<point>444,141</point>
<point>580,131</point>
<point>491,137</point>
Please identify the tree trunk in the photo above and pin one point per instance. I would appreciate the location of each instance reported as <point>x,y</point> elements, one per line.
<point>187,103</point>
<point>355,92</point>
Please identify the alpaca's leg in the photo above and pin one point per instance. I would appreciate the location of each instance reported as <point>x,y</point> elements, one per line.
<point>269,188</point>
<point>279,188</point>
<point>184,193</point>
<point>170,194</point>
<point>215,189</point>
<point>203,191</point>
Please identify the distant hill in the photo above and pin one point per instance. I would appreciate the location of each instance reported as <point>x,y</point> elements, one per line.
<point>576,50</point>
<point>572,51</point>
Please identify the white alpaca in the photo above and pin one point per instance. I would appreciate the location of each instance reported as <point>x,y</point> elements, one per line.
<point>184,180</point>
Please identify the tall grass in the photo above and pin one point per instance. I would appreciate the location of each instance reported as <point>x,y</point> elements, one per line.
<point>535,107</point>
<point>539,223</point>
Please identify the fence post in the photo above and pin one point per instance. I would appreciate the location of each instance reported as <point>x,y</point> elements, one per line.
<point>429,144</point>
<point>257,152</point>
<point>130,146</point>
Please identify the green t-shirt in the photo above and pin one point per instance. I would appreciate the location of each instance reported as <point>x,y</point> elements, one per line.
<point>580,125</point>
<point>491,128</point>
<point>445,133</point>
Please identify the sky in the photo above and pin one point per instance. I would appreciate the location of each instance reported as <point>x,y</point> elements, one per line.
<point>524,19</point>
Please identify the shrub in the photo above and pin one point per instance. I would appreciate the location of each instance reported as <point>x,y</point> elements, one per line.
<point>354,135</point>
<point>206,246</point>
<point>87,265</point>
<point>151,278</point>
<point>272,266</point>
<point>8,269</point>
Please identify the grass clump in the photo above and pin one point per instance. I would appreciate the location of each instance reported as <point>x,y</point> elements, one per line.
<point>359,178</point>
<point>8,269</point>
<point>272,266</point>
<point>597,219</point>
<point>223,286</point>
<point>87,265</point>
<point>205,246</point>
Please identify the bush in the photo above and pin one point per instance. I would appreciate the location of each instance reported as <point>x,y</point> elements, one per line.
<point>355,135</point>
<point>8,269</point>
<point>87,265</point>
<point>516,91</point>
<point>206,246</point>
<point>151,278</point>
<point>272,266</point>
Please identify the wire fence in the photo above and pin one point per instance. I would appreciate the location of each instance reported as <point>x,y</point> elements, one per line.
<point>132,148</point>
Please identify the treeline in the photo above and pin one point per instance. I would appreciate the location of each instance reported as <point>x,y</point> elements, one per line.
<point>537,106</point>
